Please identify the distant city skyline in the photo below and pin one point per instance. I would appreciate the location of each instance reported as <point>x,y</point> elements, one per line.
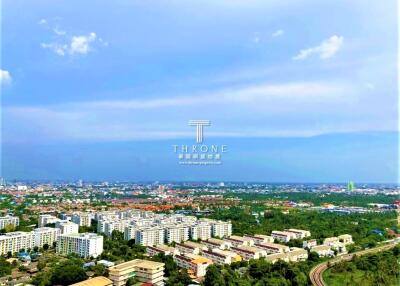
<point>305,92</point>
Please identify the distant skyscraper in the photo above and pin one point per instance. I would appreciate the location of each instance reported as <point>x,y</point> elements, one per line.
<point>80,183</point>
<point>350,186</point>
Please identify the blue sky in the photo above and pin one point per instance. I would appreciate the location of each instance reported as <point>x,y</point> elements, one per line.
<point>121,79</point>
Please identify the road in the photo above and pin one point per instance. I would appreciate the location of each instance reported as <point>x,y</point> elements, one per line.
<point>317,271</point>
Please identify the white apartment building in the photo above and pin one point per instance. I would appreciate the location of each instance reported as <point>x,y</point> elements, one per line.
<point>45,235</point>
<point>84,244</point>
<point>9,220</point>
<point>240,240</point>
<point>200,231</point>
<point>271,248</point>
<point>110,226</point>
<point>67,227</point>
<point>45,219</point>
<point>249,252</point>
<point>15,241</point>
<point>130,232</point>
<point>214,243</point>
<point>177,233</point>
<point>149,236</point>
<point>221,228</point>
<point>300,233</point>
<point>283,236</point>
<point>82,219</point>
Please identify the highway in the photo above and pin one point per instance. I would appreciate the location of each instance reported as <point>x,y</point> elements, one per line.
<point>317,271</point>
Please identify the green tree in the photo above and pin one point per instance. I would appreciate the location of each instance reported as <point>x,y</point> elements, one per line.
<point>5,267</point>
<point>213,277</point>
<point>68,272</point>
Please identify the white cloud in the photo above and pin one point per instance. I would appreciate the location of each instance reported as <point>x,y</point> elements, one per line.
<point>327,49</point>
<point>42,22</point>
<point>75,45</point>
<point>56,48</point>
<point>278,33</point>
<point>81,44</point>
<point>59,32</point>
<point>5,76</point>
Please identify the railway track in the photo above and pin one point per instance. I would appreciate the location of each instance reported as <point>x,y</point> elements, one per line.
<point>317,272</point>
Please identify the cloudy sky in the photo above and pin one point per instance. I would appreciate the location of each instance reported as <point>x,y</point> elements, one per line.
<point>121,79</point>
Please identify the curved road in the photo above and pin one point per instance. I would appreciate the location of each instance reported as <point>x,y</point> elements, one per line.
<point>317,271</point>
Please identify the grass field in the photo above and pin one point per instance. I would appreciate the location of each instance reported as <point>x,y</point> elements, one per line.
<point>355,278</point>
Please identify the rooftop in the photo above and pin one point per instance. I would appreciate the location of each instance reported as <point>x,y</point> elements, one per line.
<point>96,281</point>
<point>147,264</point>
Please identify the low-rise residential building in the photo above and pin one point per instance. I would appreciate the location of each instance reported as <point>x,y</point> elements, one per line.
<point>331,240</point>
<point>271,248</point>
<point>9,220</point>
<point>213,243</point>
<point>272,258</point>
<point>84,244</point>
<point>196,265</point>
<point>300,233</point>
<point>297,254</point>
<point>143,270</point>
<point>309,243</point>
<point>161,248</point>
<point>260,238</point>
<point>249,252</point>
<point>334,243</point>
<point>346,239</point>
<point>190,247</point>
<point>322,250</point>
<point>222,257</point>
<point>283,236</point>
<point>240,240</point>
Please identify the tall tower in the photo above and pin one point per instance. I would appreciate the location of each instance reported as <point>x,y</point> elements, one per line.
<point>350,186</point>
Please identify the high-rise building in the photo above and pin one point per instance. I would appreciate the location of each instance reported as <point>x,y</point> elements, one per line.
<point>45,235</point>
<point>15,241</point>
<point>84,244</point>
<point>45,219</point>
<point>149,236</point>
<point>82,219</point>
<point>9,220</point>
<point>67,227</point>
